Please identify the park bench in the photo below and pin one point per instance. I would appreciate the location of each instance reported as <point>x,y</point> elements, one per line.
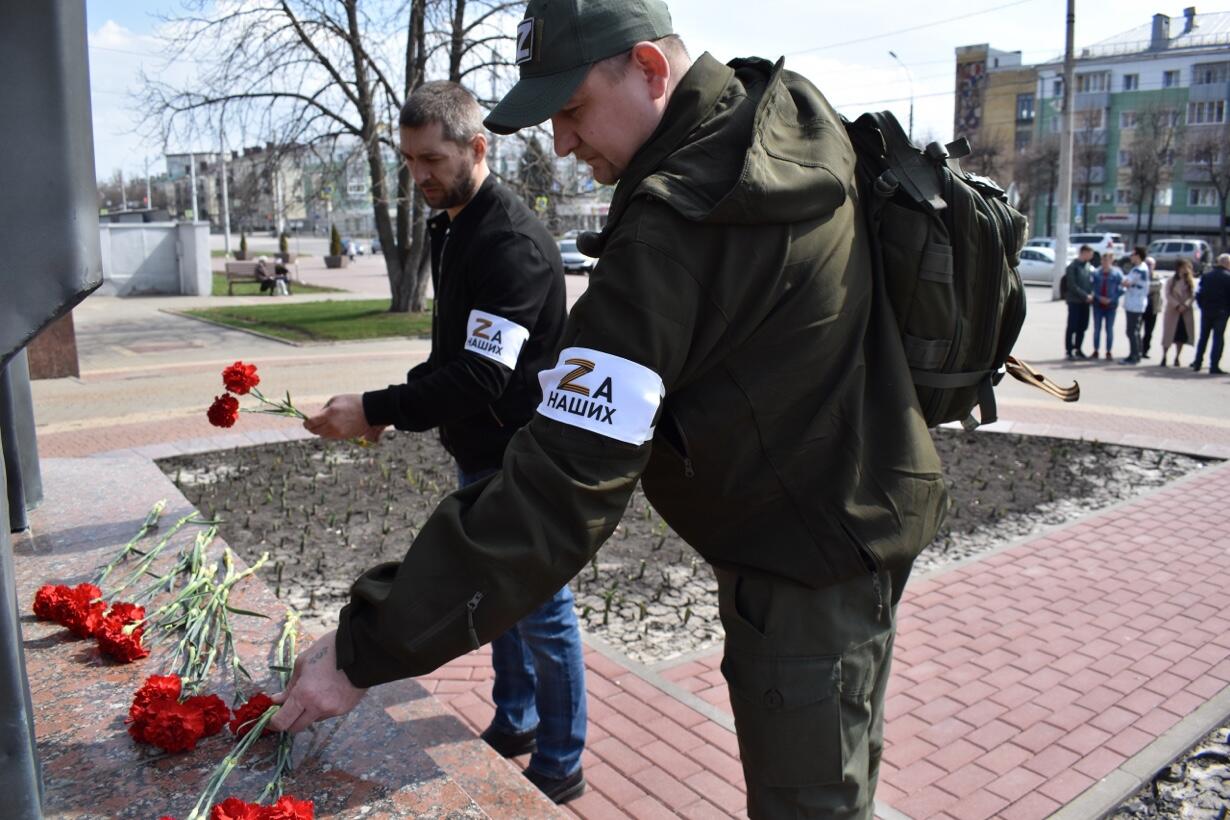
<point>244,272</point>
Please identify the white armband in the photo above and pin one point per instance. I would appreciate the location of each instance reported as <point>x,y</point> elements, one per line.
<point>605,394</point>
<point>495,338</point>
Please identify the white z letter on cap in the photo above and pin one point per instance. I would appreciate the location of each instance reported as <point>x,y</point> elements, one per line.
<point>604,394</point>
<point>495,338</point>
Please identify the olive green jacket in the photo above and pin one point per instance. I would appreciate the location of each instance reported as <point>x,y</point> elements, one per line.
<point>735,266</point>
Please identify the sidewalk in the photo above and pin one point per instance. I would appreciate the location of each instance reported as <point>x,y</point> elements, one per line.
<point>1054,675</point>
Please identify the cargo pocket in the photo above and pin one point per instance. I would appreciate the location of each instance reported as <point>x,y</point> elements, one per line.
<point>788,716</point>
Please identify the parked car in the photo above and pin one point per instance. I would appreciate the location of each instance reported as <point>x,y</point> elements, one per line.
<point>574,260</point>
<point>375,246</point>
<point>1169,251</point>
<point>1100,242</point>
<point>358,246</point>
<point>1041,242</point>
<point>1037,265</point>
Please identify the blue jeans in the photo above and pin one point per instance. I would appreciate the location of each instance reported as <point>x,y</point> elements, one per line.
<point>540,678</point>
<point>1103,317</point>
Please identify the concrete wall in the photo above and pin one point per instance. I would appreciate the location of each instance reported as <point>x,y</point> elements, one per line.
<point>155,258</point>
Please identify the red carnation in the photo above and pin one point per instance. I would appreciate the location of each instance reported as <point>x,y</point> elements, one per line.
<point>155,688</point>
<point>249,713</point>
<point>232,808</point>
<point>49,601</point>
<point>213,710</point>
<point>288,808</point>
<point>240,378</point>
<point>126,613</point>
<point>175,727</point>
<point>114,640</point>
<point>224,411</point>
<point>82,618</point>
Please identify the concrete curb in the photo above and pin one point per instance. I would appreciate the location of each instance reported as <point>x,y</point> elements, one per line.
<point>1102,798</point>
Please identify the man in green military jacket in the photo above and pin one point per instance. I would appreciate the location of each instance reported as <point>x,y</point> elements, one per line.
<point>731,354</point>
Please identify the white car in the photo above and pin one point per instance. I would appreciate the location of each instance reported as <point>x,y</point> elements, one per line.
<point>1100,242</point>
<point>1037,265</point>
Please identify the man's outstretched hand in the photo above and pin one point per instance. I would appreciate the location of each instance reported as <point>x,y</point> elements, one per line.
<point>317,689</point>
<point>342,417</point>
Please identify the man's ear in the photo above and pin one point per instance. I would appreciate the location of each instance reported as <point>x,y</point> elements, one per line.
<point>650,62</point>
<point>478,144</point>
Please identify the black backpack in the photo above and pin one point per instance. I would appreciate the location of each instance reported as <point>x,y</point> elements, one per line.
<point>945,248</point>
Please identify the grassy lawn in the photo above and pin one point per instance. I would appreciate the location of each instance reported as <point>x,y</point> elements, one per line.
<point>254,289</point>
<point>321,321</point>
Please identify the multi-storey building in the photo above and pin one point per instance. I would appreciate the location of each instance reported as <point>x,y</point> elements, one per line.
<point>1143,101</point>
<point>994,108</point>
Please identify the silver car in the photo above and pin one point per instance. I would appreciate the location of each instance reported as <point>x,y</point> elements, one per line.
<point>1037,265</point>
<point>574,260</point>
<point>1167,253</point>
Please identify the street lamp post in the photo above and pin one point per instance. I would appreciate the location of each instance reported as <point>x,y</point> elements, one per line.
<point>909,77</point>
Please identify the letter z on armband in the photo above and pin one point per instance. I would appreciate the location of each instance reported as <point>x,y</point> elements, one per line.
<point>495,338</point>
<point>605,394</point>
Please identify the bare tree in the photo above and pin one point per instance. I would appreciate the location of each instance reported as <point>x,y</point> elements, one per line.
<point>111,197</point>
<point>1037,169</point>
<point>1157,139</point>
<point>1210,155</point>
<point>983,158</point>
<point>305,72</point>
<point>1088,155</point>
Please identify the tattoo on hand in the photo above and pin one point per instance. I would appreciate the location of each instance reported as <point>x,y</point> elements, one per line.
<point>318,654</point>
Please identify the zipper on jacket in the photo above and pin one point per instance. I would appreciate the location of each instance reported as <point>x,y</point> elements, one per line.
<point>436,628</point>
<point>494,415</point>
<point>472,605</point>
<point>682,450</point>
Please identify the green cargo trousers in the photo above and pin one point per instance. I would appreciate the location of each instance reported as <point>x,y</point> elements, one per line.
<point>807,671</point>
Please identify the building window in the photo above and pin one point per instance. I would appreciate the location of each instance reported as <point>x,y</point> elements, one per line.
<point>1023,139</point>
<point>1205,113</point>
<point>1210,73</point>
<point>1057,88</point>
<point>1165,196</point>
<point>1024,107</point>
<point>1131,82</point>
<point>1092,82</point>
<point>1095,197</point>
<point>1089,120</point>
<point>1056,121</point>
<point>356,189</point>
<point>1202,197</point>
<point>1168,158</point>
<point>1170,79</point>
<point>1127,120</point>
<point>1125,158</point>
<point>1123,196</point>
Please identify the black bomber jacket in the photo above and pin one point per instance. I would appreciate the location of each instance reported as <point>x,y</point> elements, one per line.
<point>498,316</point>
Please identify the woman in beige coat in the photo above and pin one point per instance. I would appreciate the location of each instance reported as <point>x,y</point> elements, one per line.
<point>1179,324</point>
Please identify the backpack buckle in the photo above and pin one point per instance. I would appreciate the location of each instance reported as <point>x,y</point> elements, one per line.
<point>887,184</point>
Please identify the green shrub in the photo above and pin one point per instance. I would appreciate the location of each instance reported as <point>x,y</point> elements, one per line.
<point>335,241</point>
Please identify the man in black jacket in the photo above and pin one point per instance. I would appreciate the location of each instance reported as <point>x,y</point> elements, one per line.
<point>499,316</point>
<point>1214,300</point>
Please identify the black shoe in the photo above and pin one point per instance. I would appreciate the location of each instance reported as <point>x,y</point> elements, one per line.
<point>559,790</point>
<point>1216,371</point>
<point>1071,358</point>
<point>1080,355</point>
<point>1196,366</point>
<point>510,744</point>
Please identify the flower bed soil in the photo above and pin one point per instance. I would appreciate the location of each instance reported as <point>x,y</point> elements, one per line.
<point>326,511</point>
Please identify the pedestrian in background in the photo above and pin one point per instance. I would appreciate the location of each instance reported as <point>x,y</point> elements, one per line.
<point>1213,296</point>
<point>1078,291</point>
<point>1149,320</point>
<point>1107,288</point>
<point>1135,302</point>
<point>1178,323</point>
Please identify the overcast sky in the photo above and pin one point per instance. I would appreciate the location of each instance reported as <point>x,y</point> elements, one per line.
<point>842,47</point>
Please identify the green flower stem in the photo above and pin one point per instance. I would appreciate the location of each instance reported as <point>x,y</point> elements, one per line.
<point>284,654</point>
<point>201,810</point>
<point>151,521</point>
<point>148,558</point>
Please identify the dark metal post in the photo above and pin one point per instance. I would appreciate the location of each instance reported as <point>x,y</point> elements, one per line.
<point>51,261</point>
